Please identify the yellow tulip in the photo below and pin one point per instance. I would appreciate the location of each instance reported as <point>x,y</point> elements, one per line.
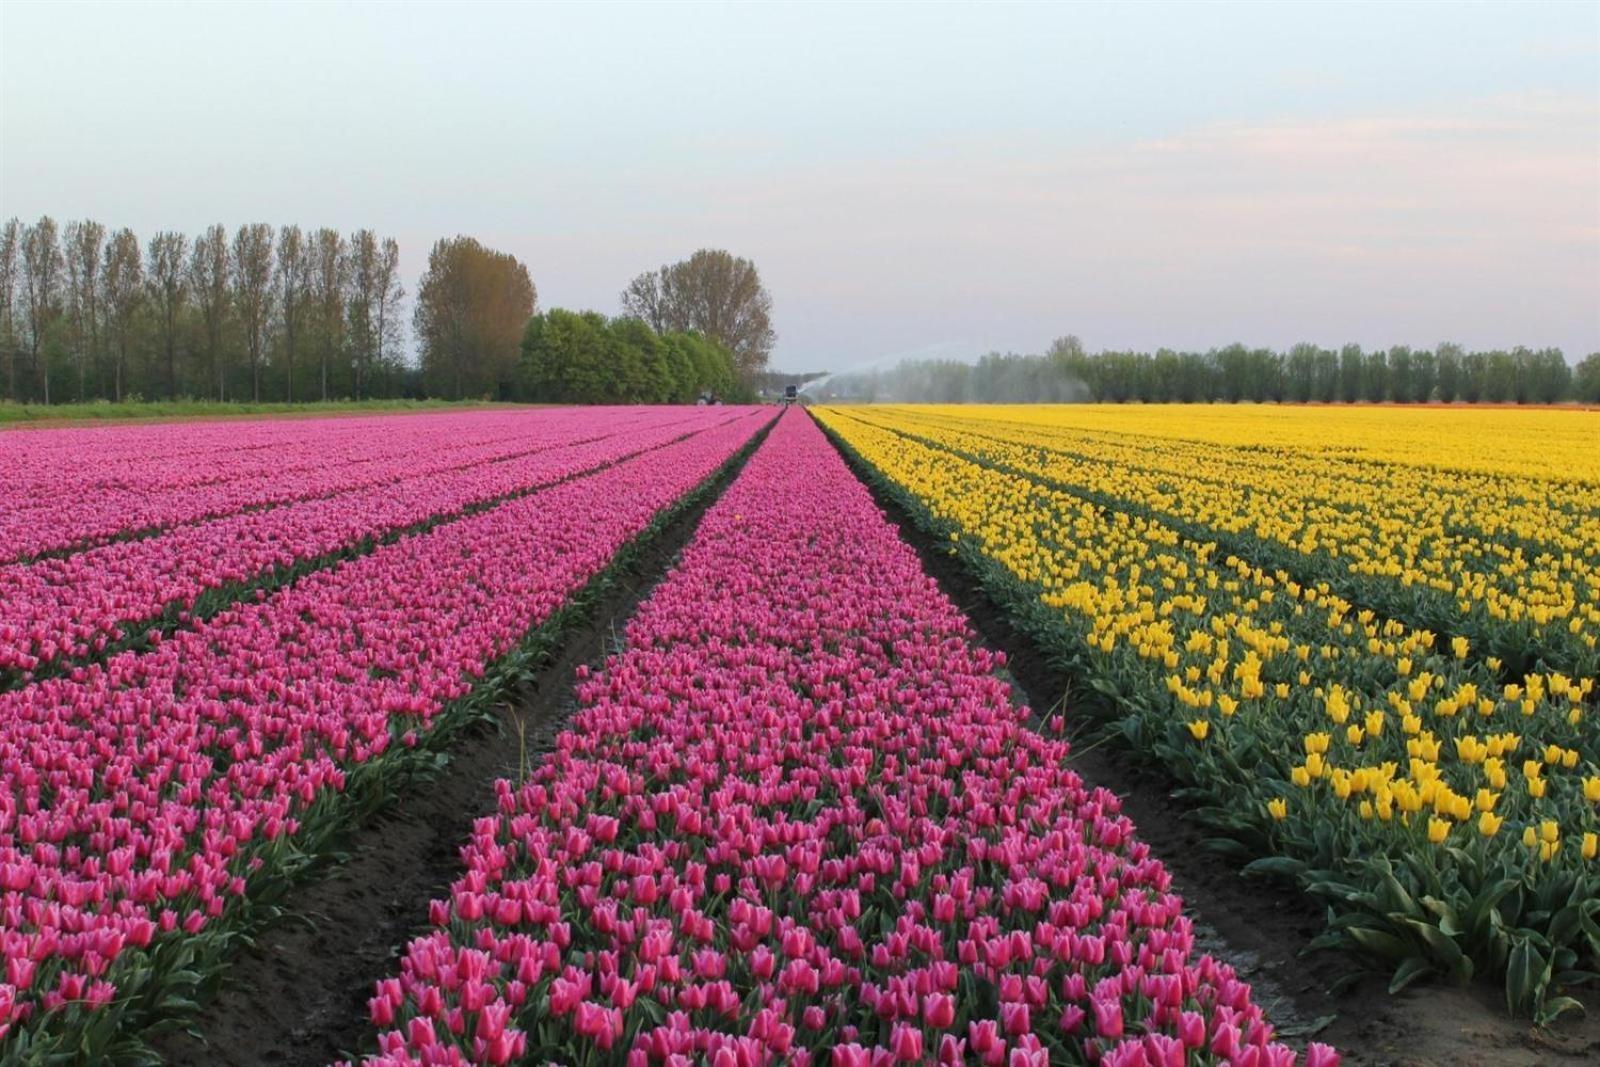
<point>1278,808</point>
<point>1489,823</point>
<point>1438,829</point>
<point>1199,728</point>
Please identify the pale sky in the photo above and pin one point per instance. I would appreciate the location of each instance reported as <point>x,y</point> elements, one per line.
<point>910,179</point>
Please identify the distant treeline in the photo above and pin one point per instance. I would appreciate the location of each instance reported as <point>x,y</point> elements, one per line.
<point>91,313</point>
<point>1305,373</point>
<point>296,315</point>
<point>582,357</point>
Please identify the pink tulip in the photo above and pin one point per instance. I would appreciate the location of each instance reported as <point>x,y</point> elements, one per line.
<point>798,810</point>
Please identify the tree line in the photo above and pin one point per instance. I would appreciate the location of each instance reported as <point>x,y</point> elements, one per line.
<point>698,327</point>
<point>291,314</point>
<point>1305,373</point>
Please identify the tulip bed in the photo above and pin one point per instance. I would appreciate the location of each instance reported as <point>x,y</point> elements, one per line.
<point>1448,810</point>
<point>70,489</point>
<point>153,808</point>
<point>799,819</point>
<point>91,602</point>
<point>1505,560</point>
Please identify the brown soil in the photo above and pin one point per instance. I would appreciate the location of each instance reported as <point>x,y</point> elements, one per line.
<point>300,996</point>
<point>1260,927</point>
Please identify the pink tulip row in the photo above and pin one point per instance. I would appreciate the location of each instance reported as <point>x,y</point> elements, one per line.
<point>77,605</point>
<point>799,819</point>
<point>157,457</point>
<point>140,798</point>
<point>108,483</point>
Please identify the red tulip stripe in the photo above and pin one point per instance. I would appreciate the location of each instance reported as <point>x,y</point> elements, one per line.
<point>799,819</point>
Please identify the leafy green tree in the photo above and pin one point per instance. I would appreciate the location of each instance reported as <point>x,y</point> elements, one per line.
<point>1449,372</point>
<point>1300,373</point>
<point>564,355</point>
<point>1500,378</point>
<point>1400,374</point>
<point>1474,376</point>
<point>1352,367</point>
<point>1543,377</point>
<point>714,292</point>
<point>1375,377</point>
<point>473,304</point>
<point>1424,376</point>
<point>639,362</point>
<point>1586,380</point>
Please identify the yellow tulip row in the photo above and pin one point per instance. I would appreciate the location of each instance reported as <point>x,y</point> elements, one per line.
<point>1405,737</point>
<point>1510,551</point>
<point>1548,444</point>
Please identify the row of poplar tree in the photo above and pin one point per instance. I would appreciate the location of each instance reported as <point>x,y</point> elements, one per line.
<point>1306,373</point>
<point>259,314</point>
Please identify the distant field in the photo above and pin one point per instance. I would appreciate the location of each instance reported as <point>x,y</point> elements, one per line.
<point>13,415</point>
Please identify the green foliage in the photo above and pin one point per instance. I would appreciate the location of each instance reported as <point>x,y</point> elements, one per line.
<point>1235,374</point>
<point>1586,380</point>
<point>573,357</point>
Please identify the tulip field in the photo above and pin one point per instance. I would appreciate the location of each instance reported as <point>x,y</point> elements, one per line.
<point>795,811</point>
<point>1364,640</point>
<point>157,802</point>
<point>260,518</point>
<point>799,819</point>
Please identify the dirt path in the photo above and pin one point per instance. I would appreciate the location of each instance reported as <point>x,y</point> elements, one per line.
<point>1260,927</point>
